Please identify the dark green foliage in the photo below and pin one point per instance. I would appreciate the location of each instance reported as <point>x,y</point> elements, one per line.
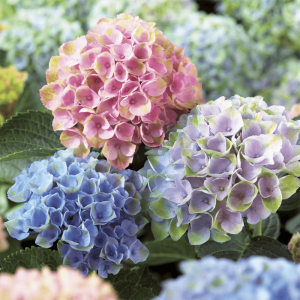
<point>31,258</point>
<point>28,135</point>
<point>135,284</point>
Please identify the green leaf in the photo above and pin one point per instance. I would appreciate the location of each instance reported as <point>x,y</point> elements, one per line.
<point>135,284</point>
<point>291,203</point>
<point>168,251</point>
<point>30,98</point>
<point>237,248</point>
<point>293,224</point>
<point>28,134</point>
<point>31,258</point>
<point>14,245</point>
<point>288,185</point>
<point>12,168</point>
<point>270,226</point>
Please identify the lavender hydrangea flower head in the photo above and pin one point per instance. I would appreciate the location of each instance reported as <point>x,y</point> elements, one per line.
<point>254,278</point>
<point>90,206</point>
<point>220,165</point>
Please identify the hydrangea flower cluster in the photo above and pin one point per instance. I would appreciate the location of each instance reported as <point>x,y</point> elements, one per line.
<point>3,242</point>
<point>120,85</point>
<point>286,90</point>
<point>257,277</point>
<point>274,21</point>
<point>221,165</point>
<point>32,35</point>
<point>64,284</point>
<point>90,206</point>
<point>225,56</point>
<point>294,247</point>
<point>11,87</point>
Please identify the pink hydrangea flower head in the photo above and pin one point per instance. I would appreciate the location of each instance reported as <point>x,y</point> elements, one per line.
<point>65,284</point>
<point>124,81</point>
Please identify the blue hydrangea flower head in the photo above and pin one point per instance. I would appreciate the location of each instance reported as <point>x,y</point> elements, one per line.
<point>220,165</point>
<point>254,278</point>
<point>90,206</point>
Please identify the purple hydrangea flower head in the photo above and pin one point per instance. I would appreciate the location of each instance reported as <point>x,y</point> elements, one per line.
<point>220,164</point>
<point>93,208</point>
<point>256,277</point>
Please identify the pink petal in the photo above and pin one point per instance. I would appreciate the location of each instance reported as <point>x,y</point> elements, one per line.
<point>75,80</point>
<point>87,58</point>
<point>124,131</point>
<point>135,66</point>
<point>112,87</point>
<point>147,77</point>
<point>79,115</point>
<point>73,139</point>
<point>129,87</point>
<point>152,116</point>
<point>63,119</point>
<point>140,35</point>
<point>142,51</point>
<point>122,52</point>
<point>136,138</point>
<point>108,35</point>
<point>87,97</point>
<point>140,109</point>
<point>105,64</point>
<point>105,133</point>
<point>68,98</point>
<point>157,64</point>
<point>178,83</point>
<point>155,87</point>
<point>94,82</point>
<point>50,95</point>
<point>121,73</point>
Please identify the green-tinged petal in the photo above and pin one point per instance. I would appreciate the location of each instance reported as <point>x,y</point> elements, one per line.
<point>160,229</point>
<point>241,196</point>
<point>288,186</point>
<point>163,208</point>
<point>176,232</point>
<point>199,230</point>
<point>273,202</point>
<point>293,168</point>
<point>219,236</point>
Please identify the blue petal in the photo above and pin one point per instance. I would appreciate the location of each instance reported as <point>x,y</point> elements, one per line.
<point>57,168</point>
<point>19,192</point>
<point>17,229</point>
<point>108,267</point>
<point>41,183</point>
<point>101,239</point>
<point>56,218</point>
<point>54,201</point>
<point>48,236</point>
<point>36,218</point>
<point>72,258</point>
<point>102,212</point>
<point>72,218</point>
<point>85,202</point>
<point>138,252</point>
<point>88,187</point>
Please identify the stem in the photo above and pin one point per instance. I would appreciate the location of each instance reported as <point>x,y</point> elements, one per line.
<point>249,228</point>
<point>94,273</point>
<point>259,231</point>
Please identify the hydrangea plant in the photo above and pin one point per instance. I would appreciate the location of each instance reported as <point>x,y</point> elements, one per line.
<point>11,87</point>
<point>225,56</point>
<point>274,21</point>
<point>64,284</point>
<point>86,204</point>
<point>227,160</point>
<point>253,278</point>
<point>33,35</point>
<point>120,85</point>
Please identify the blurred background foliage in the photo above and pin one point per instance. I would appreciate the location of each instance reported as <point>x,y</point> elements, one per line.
<point>239,46</point>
